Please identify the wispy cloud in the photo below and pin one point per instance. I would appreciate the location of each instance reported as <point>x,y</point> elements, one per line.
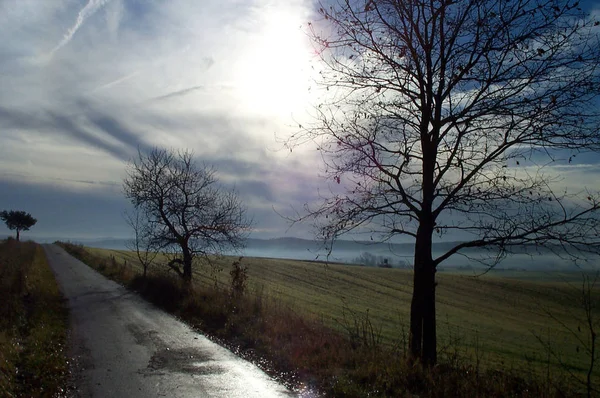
<point>87,11</point>
<point>115,82</point>
<point>85,83</point>
<point>178,93</point>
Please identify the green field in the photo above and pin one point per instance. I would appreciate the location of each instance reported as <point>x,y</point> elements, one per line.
<point>498,319</point>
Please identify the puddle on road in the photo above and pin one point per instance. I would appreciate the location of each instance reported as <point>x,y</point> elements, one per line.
<point>185,360</point>
<point>146,337</point>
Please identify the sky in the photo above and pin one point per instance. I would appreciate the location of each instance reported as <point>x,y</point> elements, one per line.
<point>85,83</point>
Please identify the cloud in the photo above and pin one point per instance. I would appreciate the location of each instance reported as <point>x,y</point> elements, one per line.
<point>63,212</point>
<point>90,9</point>
<point>91,128</point>
<point>85,83</point>
<point>112,83</point>
<point>177,93</point>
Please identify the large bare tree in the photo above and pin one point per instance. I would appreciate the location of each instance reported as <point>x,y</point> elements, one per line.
<point>183,209</point>
<point>447,118</point>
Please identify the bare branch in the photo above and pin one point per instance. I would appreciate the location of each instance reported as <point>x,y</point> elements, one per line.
<point>181,206</point>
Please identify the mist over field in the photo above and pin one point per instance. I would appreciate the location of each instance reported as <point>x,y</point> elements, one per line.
<point>398,255</point>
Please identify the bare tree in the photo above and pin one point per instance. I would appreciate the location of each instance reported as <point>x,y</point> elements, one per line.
<point>143,244</point>
<point>448,117</point>
<point>185,212</point>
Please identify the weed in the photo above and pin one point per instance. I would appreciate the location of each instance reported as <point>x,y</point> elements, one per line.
<point>239,279</point>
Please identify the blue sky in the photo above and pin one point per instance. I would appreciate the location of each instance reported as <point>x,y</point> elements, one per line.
<point>84,83</point>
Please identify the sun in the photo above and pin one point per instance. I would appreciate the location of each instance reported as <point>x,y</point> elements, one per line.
<point>273,73</point>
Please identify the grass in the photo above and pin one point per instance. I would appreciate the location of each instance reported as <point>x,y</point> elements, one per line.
<point>346,326</point>
<point>33,324</point>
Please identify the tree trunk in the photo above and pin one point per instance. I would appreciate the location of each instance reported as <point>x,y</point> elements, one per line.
<point>423,340</point>
<point>18,235</point>
<point>187,266</point>
<point>416,315</point>
<point>429,353</point>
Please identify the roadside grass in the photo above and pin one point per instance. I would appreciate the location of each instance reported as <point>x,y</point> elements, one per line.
<point>33,324</point>
<point>343,329</point>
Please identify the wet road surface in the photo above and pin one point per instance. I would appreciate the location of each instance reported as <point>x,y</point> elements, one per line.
<point>125,347</point>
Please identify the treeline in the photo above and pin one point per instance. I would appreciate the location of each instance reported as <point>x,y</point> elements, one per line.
<point>371,260</point>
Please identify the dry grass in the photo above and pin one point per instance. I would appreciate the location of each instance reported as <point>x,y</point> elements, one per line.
<point>33,324</point>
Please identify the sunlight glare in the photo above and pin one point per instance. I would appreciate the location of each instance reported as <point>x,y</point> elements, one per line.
<point>273,72</point>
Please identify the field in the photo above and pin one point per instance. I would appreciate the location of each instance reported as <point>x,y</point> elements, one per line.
<point>33,324</point>
<point>497,321</point>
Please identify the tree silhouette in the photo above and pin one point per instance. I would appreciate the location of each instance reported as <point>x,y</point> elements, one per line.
<point>143,243</point>
<point>17,220</point>
<point>447,118</point>
<point>181,210</point>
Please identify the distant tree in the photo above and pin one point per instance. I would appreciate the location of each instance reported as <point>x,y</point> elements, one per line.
<point>384,263</point>
<point>442,116</point>
<point>367,259</point>
<point>372,260</point>
<point>182,209</point>
<point>17,220</point>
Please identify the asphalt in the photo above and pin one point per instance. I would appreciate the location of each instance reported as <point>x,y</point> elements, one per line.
<point>122,346</point>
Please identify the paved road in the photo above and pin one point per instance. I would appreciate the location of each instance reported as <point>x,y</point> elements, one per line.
<point>125,347</point>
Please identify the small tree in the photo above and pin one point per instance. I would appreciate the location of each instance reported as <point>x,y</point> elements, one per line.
<point>589,303</point>
<point>183,210</point>
<point>588,297</point>
<point>17,220</point>
<point>145,248</point>
<point>439,117</point>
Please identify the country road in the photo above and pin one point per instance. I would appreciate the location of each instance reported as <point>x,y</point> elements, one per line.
<point>125,347</point>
